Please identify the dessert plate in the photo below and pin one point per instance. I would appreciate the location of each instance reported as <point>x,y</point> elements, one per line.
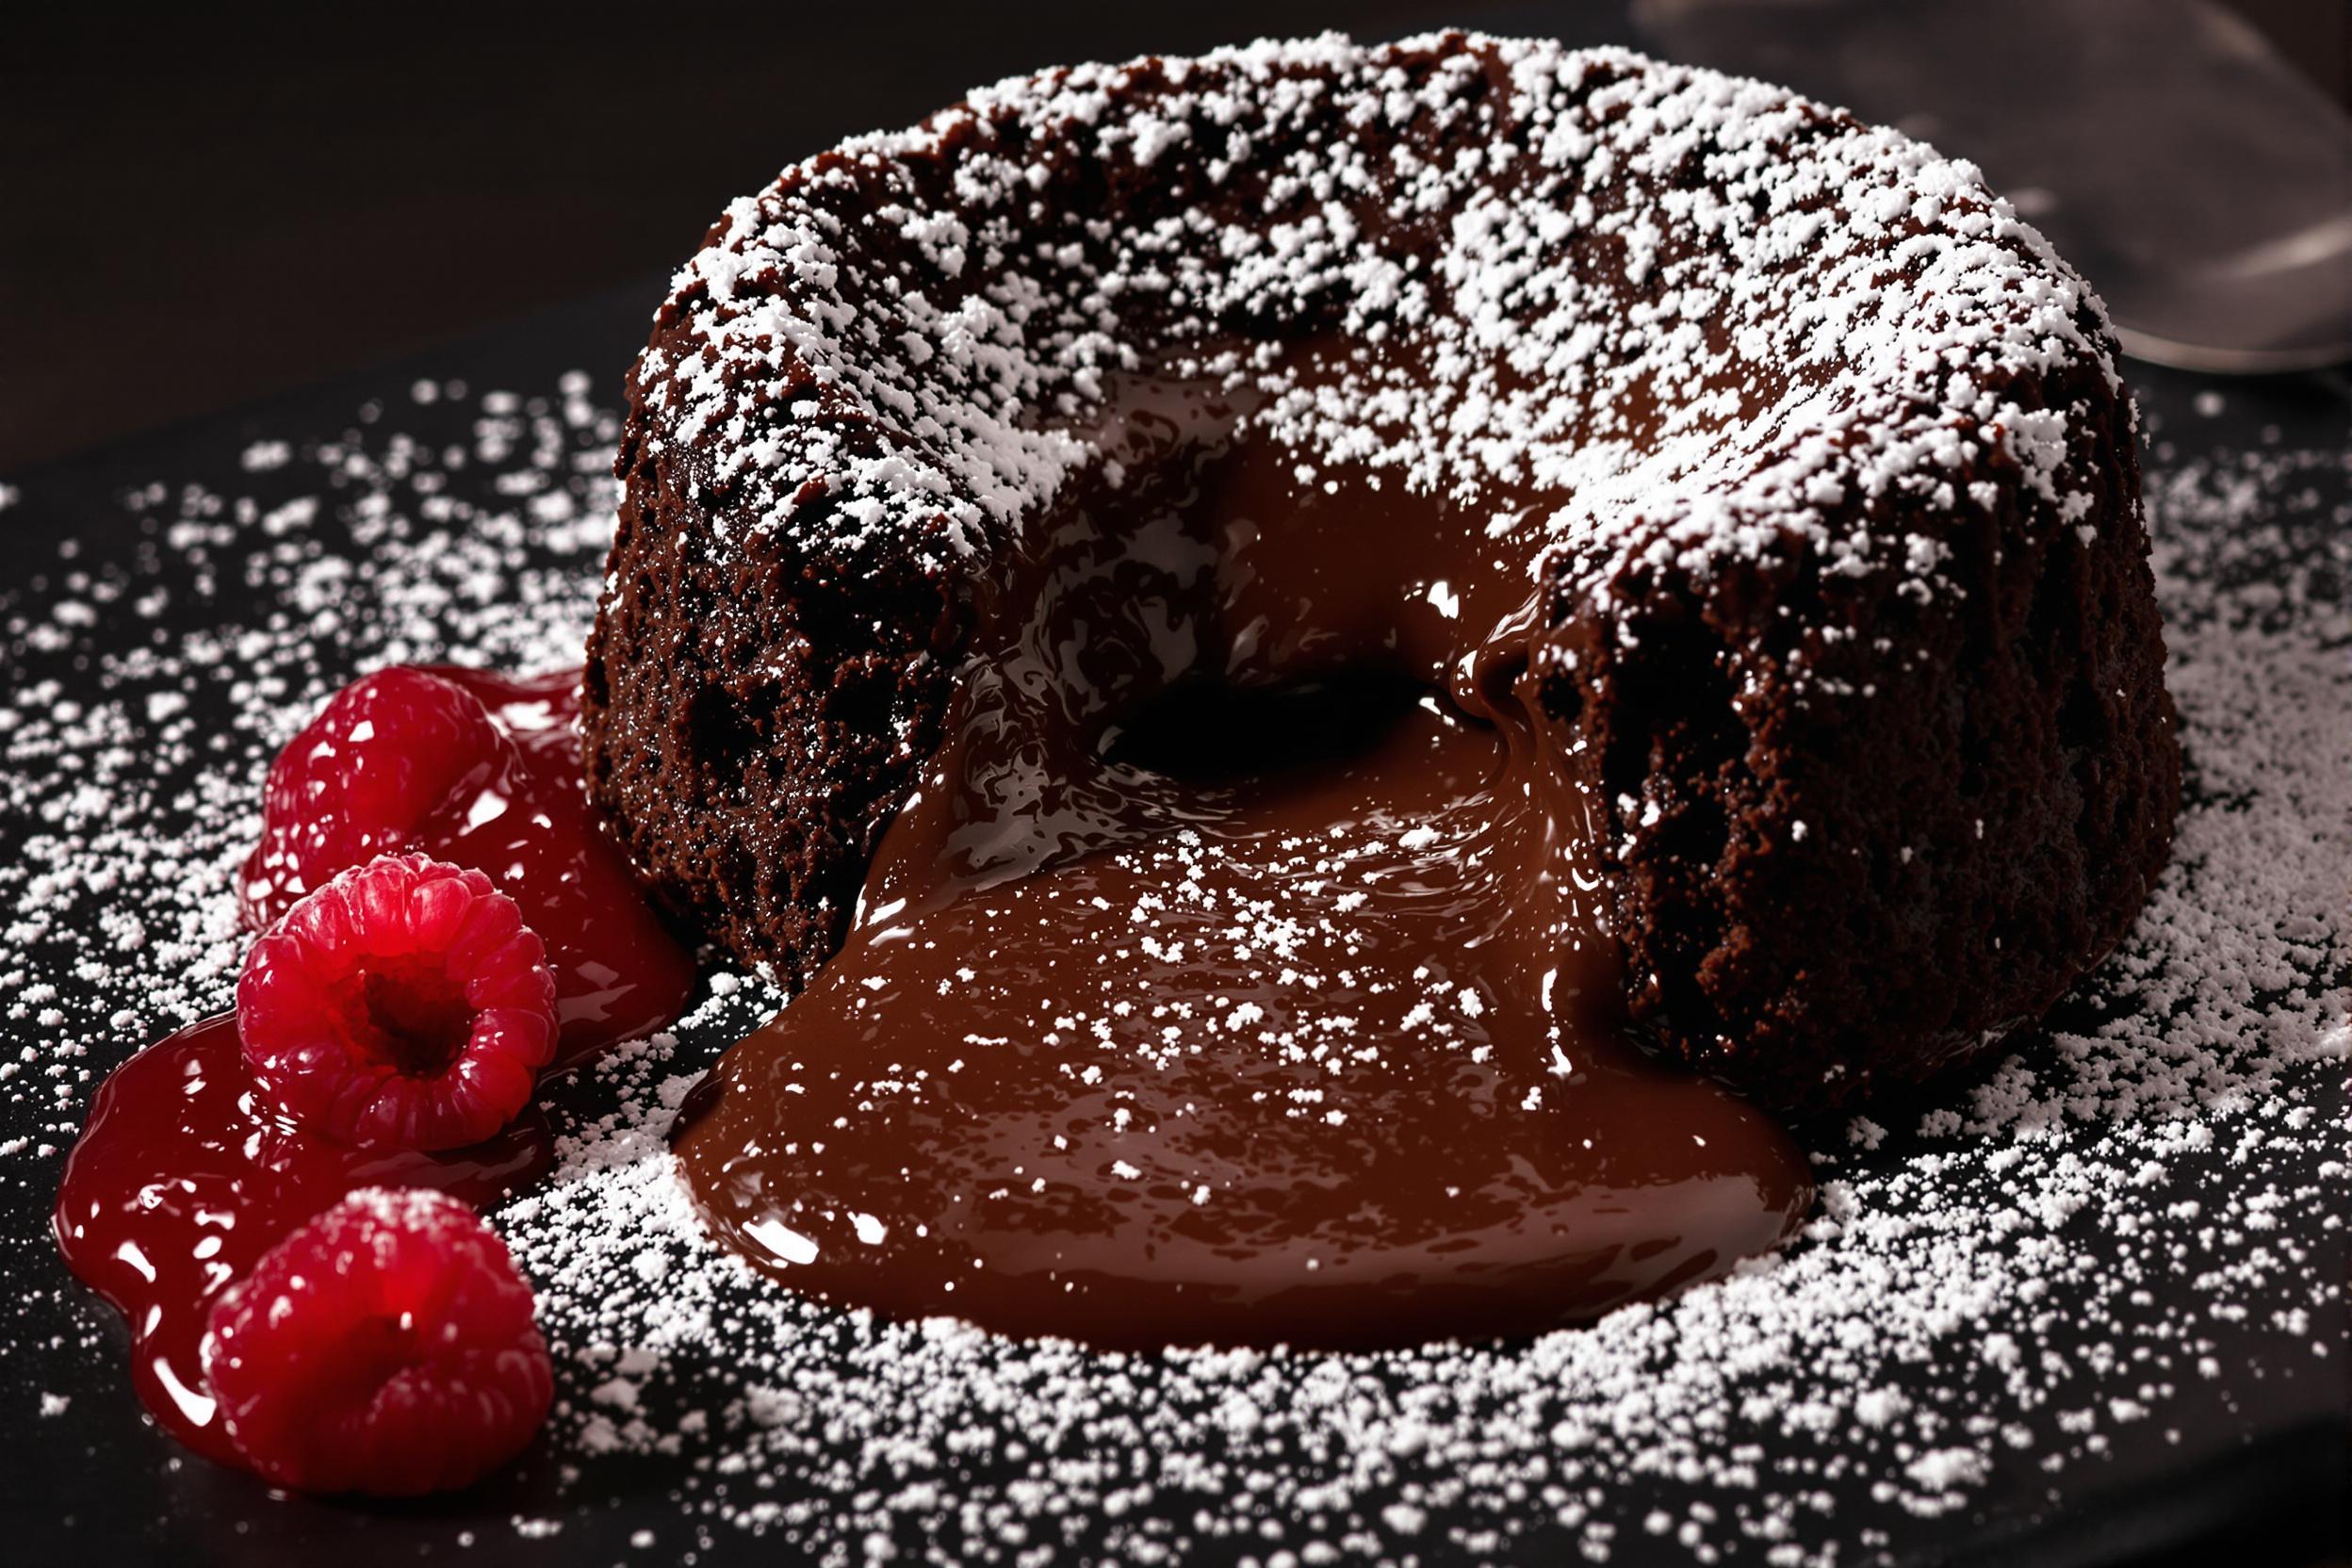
<point>2085,1306</point>
<point>2090,1303</point>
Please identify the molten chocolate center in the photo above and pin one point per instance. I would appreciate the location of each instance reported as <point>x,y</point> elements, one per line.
<point>1236,974</point>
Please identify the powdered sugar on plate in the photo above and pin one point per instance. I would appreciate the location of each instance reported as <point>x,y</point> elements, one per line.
<point>2126,1238</point>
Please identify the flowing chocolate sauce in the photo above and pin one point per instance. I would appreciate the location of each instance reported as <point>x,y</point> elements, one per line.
<point>1235,974</point>
<point>185,1174</point>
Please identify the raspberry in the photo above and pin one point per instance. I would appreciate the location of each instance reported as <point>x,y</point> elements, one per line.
<point>403,1005</point>
<point>389,750</point>
<point>387,1346</point>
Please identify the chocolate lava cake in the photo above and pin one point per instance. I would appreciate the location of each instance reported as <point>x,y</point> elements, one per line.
<point>1801,467</point>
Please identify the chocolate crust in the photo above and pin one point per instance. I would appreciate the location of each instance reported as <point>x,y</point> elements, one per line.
<point>752,722</point>
<point>1865,819</point>
<point>1875,874</point>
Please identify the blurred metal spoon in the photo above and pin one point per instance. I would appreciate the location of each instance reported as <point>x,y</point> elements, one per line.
<point>2200,183</point>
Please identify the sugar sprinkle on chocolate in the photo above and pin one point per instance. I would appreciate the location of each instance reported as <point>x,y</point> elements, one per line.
<point>2101,1239</point>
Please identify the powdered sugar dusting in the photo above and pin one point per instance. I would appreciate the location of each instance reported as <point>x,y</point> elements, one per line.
<point>2102,1243</point>
<point>1657,314</point>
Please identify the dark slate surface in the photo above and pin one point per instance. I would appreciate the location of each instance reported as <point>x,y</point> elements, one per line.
<point>2263,1477</point>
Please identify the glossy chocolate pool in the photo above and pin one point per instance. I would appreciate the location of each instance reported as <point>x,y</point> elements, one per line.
<point>1235,974</point>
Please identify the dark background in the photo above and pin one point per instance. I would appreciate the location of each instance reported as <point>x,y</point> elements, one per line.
<point>200,212</point>
<point>203,207</point>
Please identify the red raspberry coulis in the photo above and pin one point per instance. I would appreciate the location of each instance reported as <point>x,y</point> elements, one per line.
<point>524,821</point>
<point>186,1175</point>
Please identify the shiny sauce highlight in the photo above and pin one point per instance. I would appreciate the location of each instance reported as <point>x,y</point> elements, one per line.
<point>1236,973</point>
